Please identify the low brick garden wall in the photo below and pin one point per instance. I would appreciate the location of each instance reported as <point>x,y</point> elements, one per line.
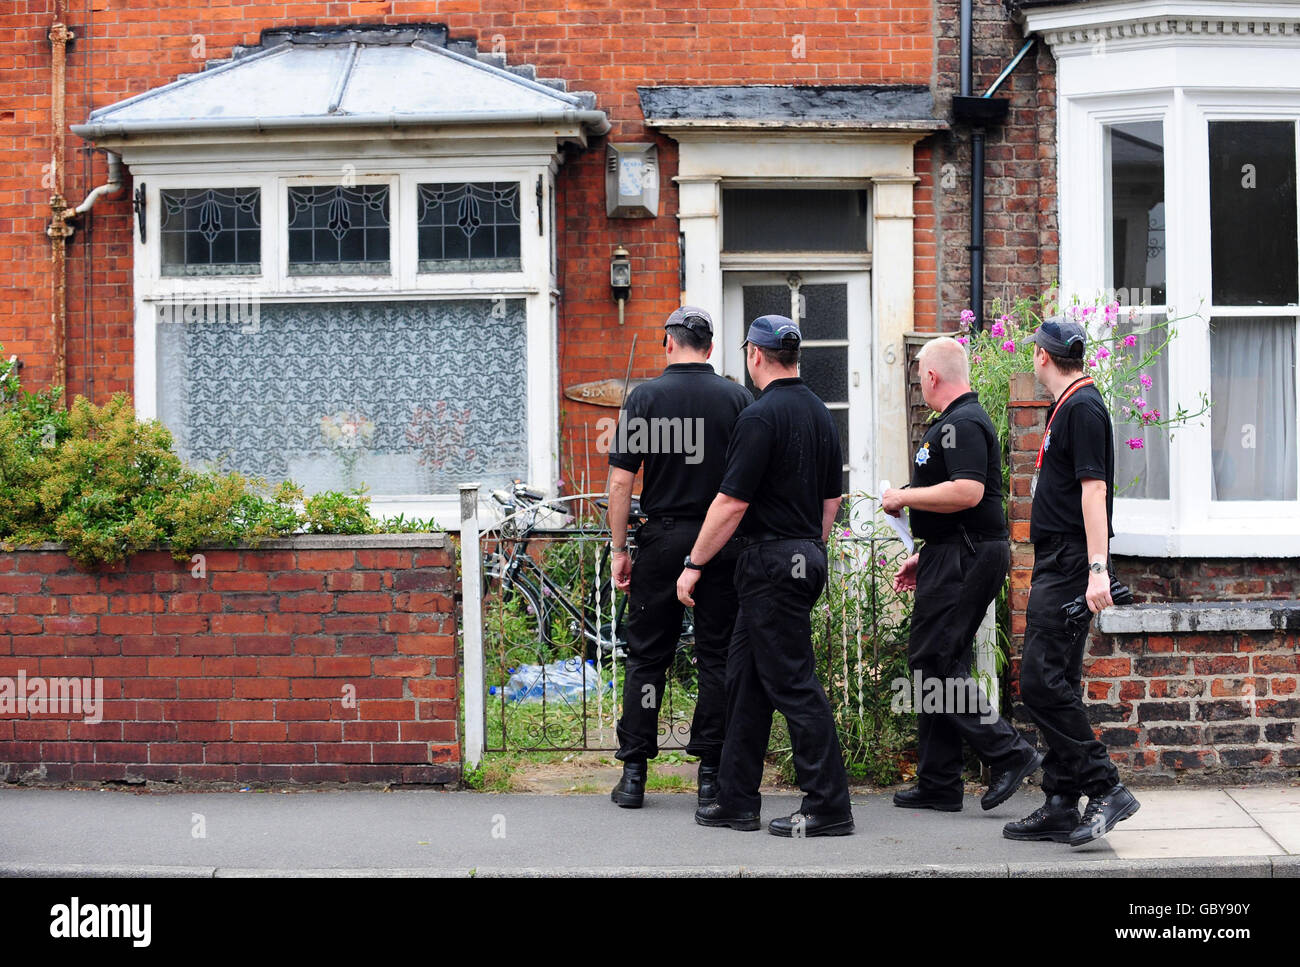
<point>1208,687</point>
<point>305,660</point>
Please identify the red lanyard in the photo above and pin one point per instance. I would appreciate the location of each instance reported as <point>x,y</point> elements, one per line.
<point>1078,384</point>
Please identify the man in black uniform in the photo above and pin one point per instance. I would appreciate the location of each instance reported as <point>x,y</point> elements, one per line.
<point>958,511</point>
<point>679,426</point>
<point>1070,527</point>
<point>782,489</point>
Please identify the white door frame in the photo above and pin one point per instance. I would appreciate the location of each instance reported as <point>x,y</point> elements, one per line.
<point>709,158</point>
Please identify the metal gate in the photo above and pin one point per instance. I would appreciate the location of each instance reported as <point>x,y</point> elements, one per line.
<point>553,629</point>
<point>544,632</point>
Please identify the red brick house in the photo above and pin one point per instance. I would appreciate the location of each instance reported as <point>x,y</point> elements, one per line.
<point>372,242</point>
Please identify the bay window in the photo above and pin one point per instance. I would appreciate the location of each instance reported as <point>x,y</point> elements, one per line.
<point>1177,152</point>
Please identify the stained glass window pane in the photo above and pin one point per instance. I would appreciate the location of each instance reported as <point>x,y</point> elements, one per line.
<point>469,227</point>
<point>211,231</point>
<point>403,397</point>
<point>337,230</point>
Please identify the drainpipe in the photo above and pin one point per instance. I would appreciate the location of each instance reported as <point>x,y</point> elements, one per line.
<point>59,230</point>
<point>979,113</point>
<point>111,187</point>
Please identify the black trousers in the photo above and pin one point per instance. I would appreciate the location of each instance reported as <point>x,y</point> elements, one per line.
<point>771,666</point>
<point>654,627</point>
<point>954,587</point>
<point>1051,674</point>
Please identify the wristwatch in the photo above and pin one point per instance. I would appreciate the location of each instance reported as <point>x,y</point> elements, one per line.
<point>688,563</point>
<point>618,550</point>
<point>1096,567</point>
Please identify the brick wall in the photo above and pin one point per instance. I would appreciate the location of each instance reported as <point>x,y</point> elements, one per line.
<point>124,47</point>
<point>311,659</point>
<point>1026,418</point>
<point>1180,703</point>
<point>1209,579</point>
<point>1216,701</point>
<point>1020,212</point>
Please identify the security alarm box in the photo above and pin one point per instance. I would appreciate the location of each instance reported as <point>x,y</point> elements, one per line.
<point>632,180</point>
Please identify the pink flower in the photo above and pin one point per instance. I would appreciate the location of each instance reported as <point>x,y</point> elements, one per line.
<point>1112,312</point>
<point>997,330</point>
<point>975,358</point>
<point>1135,443</point>
<point>847,533</point>
<point>1093,362</point>
<point>1004,319</point>
<point>1139,402</point>
<point>967,317</point>
<point>1103,352</point>
<point>1088,310</point>
<point>1009,345</point>
<point>1130,340</point>
<point>1126,411</point>
<point>963,340</point>
<point>1145,380</point>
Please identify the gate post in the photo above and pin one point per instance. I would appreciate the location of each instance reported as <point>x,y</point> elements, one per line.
<point>471,578</point>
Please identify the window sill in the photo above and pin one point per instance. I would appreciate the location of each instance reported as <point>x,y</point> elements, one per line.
<point>1200,616</point>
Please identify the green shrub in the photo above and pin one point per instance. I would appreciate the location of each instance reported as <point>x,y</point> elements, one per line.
<point>106,484</point>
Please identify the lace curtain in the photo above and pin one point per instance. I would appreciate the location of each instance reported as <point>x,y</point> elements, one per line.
<point>403,397</point>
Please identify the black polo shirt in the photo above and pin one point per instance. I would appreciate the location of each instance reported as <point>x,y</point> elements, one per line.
<point>784,460</point>
<point>679,426</point>
<point>961,445</point>
<point>1079,446</point>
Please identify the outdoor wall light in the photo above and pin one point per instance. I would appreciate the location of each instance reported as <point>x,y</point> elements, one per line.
<point>620,278</point>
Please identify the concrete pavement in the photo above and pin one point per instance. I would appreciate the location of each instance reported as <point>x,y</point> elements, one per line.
<point>1240,831</point>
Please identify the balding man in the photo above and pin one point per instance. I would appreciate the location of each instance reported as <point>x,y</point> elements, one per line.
<point>957,510</point>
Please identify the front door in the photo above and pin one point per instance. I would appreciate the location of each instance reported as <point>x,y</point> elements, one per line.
<point>832,309</point>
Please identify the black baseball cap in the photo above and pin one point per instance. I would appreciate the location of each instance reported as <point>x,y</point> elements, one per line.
<point>1061,337</point>
<point>693,318</point>
<point>774,332</point>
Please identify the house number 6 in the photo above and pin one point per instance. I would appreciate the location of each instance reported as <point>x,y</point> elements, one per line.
<point>889,355</point>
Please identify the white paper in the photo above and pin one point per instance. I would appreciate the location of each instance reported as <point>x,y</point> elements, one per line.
<point>900,524</point>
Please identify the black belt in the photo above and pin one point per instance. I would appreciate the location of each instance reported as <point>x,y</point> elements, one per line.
<point>957,536</point>
<point>668,523</point>
<point>1052,540</point>
<point>762,537</point>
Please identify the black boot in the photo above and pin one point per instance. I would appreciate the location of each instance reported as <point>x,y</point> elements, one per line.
<point>1004,782</point>
<point>1103,812</point>
<point>707,785</point>
<point>918,798</point>
<point>630,791</point>
<point>1054,820</point>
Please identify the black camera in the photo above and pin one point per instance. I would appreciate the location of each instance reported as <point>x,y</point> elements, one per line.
<point>1077,612</point>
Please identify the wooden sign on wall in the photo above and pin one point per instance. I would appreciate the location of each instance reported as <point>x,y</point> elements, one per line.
<point>601,392</point>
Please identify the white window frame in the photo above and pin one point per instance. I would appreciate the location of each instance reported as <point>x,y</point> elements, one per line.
<point>534,283</point>
<point>1114,66</point>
